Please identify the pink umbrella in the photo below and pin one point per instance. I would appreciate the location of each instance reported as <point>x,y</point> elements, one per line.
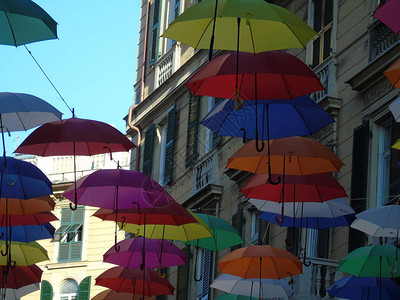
<point>388,13</point>
<point>159,254</point>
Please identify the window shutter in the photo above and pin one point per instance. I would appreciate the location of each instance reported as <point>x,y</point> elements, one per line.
<point>63,252</point>
<point>316,44</point>
<point>182,282</point>
<point>263,232</point>
<point>46,291</point>
<point>328,12</point>
<point>148,146</point>
<point>84,289</point>
<point>155,28</point>
<point>394,189</point>
<point>78,215</point>
<point>327,44</point>
<point>237,223</point>
<point>216,140</point>
<point>169,146</point>
<point>66,215</point>
<point>192,131</point>
<point>317,15</point>
<point>207,256</point>
<point>359,178</point>
<point>289,236</point>
<point>323,243</point>
<point>76,251</point>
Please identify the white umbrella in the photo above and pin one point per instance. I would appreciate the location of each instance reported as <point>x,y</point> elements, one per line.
<point>15,294</point>
<point>395,109</point>
<point>328,209</point>
<point>270,288</point>
<point>381,221</point>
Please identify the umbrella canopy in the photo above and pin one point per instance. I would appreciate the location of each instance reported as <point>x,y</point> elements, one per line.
<point>302,155</point>
<point>370,261</point>
<point>124,280</point>
<point>24,207</point>
<point>328,209</point>
<point>28,233</point>
<point>381,221</point>
<point>387,13</point>
<point>306,117</point>
<point>17,294</point>
<point>364,288</point>
<point>310,222</point>
<point>23,22</point>
<point>158,253</point>
<point>74,136</point>
<point>170,214</point>
<point>308,188</point>
<point>393,74</point>
<point>264,26</point>
<point>23,111</point>
<point>261,262</point>
<point>395,105</point>
<point>223,235</point>
<point>112,295</point>
<point>235,297</point>
<point>118,189</point>
<point>19,277</point>
<point>24,254</point>
<point>266,75</point>
<point>265,288</point>
<point>29,219</point>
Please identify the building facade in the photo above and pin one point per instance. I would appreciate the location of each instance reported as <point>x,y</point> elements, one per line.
<point>76,251</point>
<point>349,54</point>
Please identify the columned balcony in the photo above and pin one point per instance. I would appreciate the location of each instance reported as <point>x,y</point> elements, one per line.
<point>167,64</point>
<point>326,75</point>
<point>205,171</point>
<point>381,40</point>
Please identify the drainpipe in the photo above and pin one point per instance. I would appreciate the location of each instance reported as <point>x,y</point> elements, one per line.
<point>139,136</point>
<point>146,31</point>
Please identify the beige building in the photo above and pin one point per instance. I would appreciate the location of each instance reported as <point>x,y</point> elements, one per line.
<point>76,252</point>
<point>349,54</point>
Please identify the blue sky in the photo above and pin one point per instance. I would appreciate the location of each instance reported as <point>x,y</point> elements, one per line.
<point>92,63</point>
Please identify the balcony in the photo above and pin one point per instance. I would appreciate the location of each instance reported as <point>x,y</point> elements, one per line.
<point>205,172</point>
<point>167,65</point>
<point>325,73</point>
<point>317,278</point>
<point>381,39</point>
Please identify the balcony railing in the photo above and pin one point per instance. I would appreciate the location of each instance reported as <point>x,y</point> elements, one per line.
<point>204,172</point>
<point>325,73</point>
<point>381,39</point>
<point>317,278</point>
<point>167,65</point>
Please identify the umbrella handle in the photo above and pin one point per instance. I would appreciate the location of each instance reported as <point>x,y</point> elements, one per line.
<point>307,264</point>
<point>159,271</point>
<point>278,181</point>
<point>123,223</point>
<point>238,102</point>
<point>109,150</point>
<point>10,183</point>
<point>291,278</point>
<point>393,271</point>
<point>5,253</point>
<point>73,205</point>
<point>260,149</point>
<point>117,248</point>
<point>280,221</point>
<point>291,242</point>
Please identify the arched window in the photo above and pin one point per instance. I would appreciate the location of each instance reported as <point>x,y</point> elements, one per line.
<point>69,290</point>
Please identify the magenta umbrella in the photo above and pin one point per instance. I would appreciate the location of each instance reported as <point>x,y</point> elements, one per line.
<point>118,189</point>
<point>388,13</point>
<point>158,254</point>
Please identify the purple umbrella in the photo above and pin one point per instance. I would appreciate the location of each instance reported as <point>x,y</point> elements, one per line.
<point>158,254</point>
<point>118,189</point>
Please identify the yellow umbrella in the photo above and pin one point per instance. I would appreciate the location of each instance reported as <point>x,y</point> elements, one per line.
<point>185,232</point>
<point>23,254</point>
<point>396,145</point>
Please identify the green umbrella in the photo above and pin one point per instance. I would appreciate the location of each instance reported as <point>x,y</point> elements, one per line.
<point>371,261</point>
<point>235,297</point>
<point>23,22</point>
<point>223,235</point>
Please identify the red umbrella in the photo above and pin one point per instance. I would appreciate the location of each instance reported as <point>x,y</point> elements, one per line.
<point>74,137</point>
<point>136,281</point>
<point>113,295</point>
<point>20,276</point>
<point>388,13</point>
<point>30,219</point>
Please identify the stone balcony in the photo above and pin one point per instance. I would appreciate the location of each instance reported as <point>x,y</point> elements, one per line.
<point>167,64</point>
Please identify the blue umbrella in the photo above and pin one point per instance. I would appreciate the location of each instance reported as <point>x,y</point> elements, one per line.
<point>300,116</point>
<point>29,233</point>
<point>310,222</point>
<point>364,288</point>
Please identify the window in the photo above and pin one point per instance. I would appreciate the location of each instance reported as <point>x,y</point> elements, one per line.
<point>148,147</point>
<point>167,148</point>
<point>193,130</point>
<point>204,260</point>
<point>69,290</point>
<point>384,147</point>
<point>183,276</point>
<point>322,23</point>
<point>69,235</point>
<point>255,227</point>
<point>174,10</point>
<point>237,223</point>
<point>154,31</point>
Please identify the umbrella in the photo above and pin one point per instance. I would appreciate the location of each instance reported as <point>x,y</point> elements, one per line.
<point>74,137</point>
<point>262,26</point>
<point>118,189</point>
<point>364,288</point>
<point>388,12</point>
<point>172,214</point>
<point>159,254</point>
<point>112,295</point>
<point>17,294</point>
<point>24,207</point>
<point>260,262</point>
<point>306,117</point>
<point>136,281</point>
<point>24,254</point>
<point>364,261</point>
<point>28,233</point>
<point>23,22</point>
<point>29,219</point>
<point>19,277</point>
<point>395,106</point>
<point>393,74</point>
<point>270,288</point>
<point>234,297</point>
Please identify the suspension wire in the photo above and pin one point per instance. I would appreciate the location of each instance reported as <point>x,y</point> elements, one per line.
<point>62,98</point>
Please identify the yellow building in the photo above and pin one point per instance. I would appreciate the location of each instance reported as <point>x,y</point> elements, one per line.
<point>349,55</point>
<point>76,252</point>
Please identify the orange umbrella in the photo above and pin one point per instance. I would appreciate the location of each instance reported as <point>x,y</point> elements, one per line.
<point>29,206</point>
<point>393,73</point>
<point>292,156</point>
<point>113,295</point>
<point>261,262</point>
